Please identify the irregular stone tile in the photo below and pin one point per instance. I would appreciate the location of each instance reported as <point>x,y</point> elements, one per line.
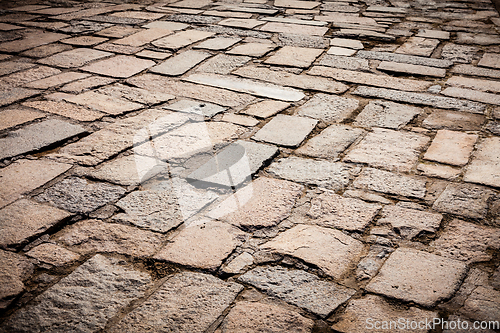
<point>46,50</point>
<point>205,109</point>
<point>171,306</point>
<point>411,69</point>
<point>361,33</point>
<point>331,250</point>
<point>388,182</point>
<point>476,84</point>
<point>340,51</point>
<point>217,43</point>
<point>227,14</point>
<point>119,66</point>
<point>247,86</point>
<point>87,298</point>
<point>31,40</point>
<point>182,39</point>
<point>241,23</point>
<point>459,53</point>
<point>403,58</point>
<point>135,94</point>
<point>252,49</point>
<point>465,200</point>
<point>299,288</point>
<point>296,4</point>
<point>17,116</point>
<point>118,31</point>
<point>104,103</point>
<point>143,37</point>
<point>482,304</point>
<point>9,67</point>
<point>23,220</point>
<point>453,120</point>
<point>418,276</point>
<point>56,80</point>
<point>286,130</point>
<point>440,171</point>
<point>331,142</point>
<point>294,56</point>
<point>153,55</point>
<point>86,84</point>
<point>349,63</point>
<point>409,223</point>
<point>334,211</point>
<point>74,58</point>
<point>484,168</point>
<point>32,74</point>
<point>388,149</point>
<point>258,317</point>
<point>438,34</point>
<point>349,43</point>
<point>53,254</point>
<point>418,46</point>
<point>12,95</point>
<point>299,40</point>
<point>233,165</point>
<point>421,98</point>
<point>14,269</point>
<point>66,109</point>
<point>84,40</point>
<point>116,48</point>
<point>370,79</point>
<point>24,176</point>
<point>263,203</point>
<point>364,313</point>
<point>479,39</point>
<point>94,11</point>
<point>167,25</point>
<point>491,60</point>
<point>248,9</point>
<point>479,242</point>
<point>451,147</point>
<point>265,109</point>
<point>301,81</point>
<point>240,119</point>
<point>328,108</point>
<point>289,28</point>
<point>476,71</point>
<point>321,173</point>
<point>473,95</point>
<point>181,63</point>
<point>239,264</point>
<point>386,114</point>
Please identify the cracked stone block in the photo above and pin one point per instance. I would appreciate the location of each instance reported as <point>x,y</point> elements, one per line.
<point>440,171</point>
<point>326,174</point>
<point>74,58</point>
<point>202,244</point>
<point>409,223</point>
<point>396,67</point>
<point>264,202</point>
<point>120,66</point>
<point>454,120</point>
<point>464,199</point>
<point>84,40</point>
<point>240,120</point>
<point>331,250</point>
<point>53,254</point>
<point>286,130</point>
<point>418,276</point>
<point>388,149</point>
<point>101,102</point>
<point>180,63</point>
<point>186,302</point>
<point>480,240</point>
<point>483,304</point>
<point>459,53</point>
<point>369,266</point>
<point>118,31</point>
<point>14,269</point>
<point>239,264</point>
<point>409,59</point>
<point>266,109</point>
<point>451,147</point>
<point>79,196</point>
<point>201,108</point>
<point>56,80</point>
<point>18,116</point>
<point>418,46</point>
<point>438,34</point>
<point>257,317</point>
<point>87,298</point>
<point>299,288</point>
<point>485,165</point>
<point>92,82</point>
<point>217,43</point>
<point>328,108</point>
<point>294,56</point>
<point>293,29</point>
<point>136,94</point>
<point>361,315</point>
<point>252,49</point>
<point>331,142</point>
<point>222,64</point>
<point>25,77</point>
<point>182,39</point>
<point>386,114</point>
<point>46,50</point>
<point>332,210</point>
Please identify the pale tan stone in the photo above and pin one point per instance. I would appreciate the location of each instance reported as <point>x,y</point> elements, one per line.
<point>86,84</point>
<point>24,77</point>
<point>104,103</point>
<point>294,56</point>
<point>14,269</point>
<point>117,31</point>
<point>252,49</point>
<point>409,223</point>
<point>472,95</point>
<point>53,254</point>
<point>239,119</point>
<point>476,84</point>
<point>491,60</point>
<point>17,116</point>
<point>418,46</point>
<point>464,199</point>
<point>266,109</point>
<point>84,40</point>
<point>483,304</point>
<point>241,23</point>
<point>388,182</point>
<point>143,37</point>
<point>296,4</point>
<point>286,130</point>
<point>289,28</point>
<point>440,171</point>
<point>485,165</point>
<point>31,40</point>
<point>56,80</point>
<point>451,147</point>
<point>180,63</point>
<point>74,58</point>
<point>182,39</point>
<point>120,66</point>
<point>411,69</point>
<point>328,108</point>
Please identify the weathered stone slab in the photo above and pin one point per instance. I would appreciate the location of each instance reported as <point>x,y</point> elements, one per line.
<point>491,60</point>
<point>16,116</point>
<point>485,165</point>
<point>349,43</point>
<point>143,37</point>
<point>222,64</point>
<point>104,103</point>
<point>409,223</point>
<point>476,71</point>
<point>56,80</point>
<point>252,49</point>
<point>30,41</point>
<point>421,99</point>
<point>482,304</point>
<point>118,31</point>
<point>459,53</point>
<point>418,46</point>
<point>14,269</point>
<point>9,67</point>
<point>362,32</point>
<point>286,130</point>
<point>294,56</point>
<point>476,84</point>
<point>86,84</point>
<point>473,95</point>
<point>120,66</point>
<point>266,109</point>
<point>451,147</point>
<point>418,276</point>
<point>296,4</point>
<point>340,51</point>
<point>87,298</point>
<point>84,40</point>
<point>171,306</point>
<point>239,119</point>
<point>74,58</point>
<point>438,34</point>
<point>409,59</point>
<point>388,182</point>
<point>438,170</point>
<point>289,28</point>
<point>464,199</point>
<point>182,39</point>
<point>12,95</point>
<point>370,79</point>
<point>116,48</point>
<point>167,25</point>
<point>153,55</point>
<point>204,109</point>
<point>181,63</point>
<point>453,120</point>
<point>328,108</point>
<point>386,114</point>
<point>479,39</point>
<point>217,43</point>
<point>243,23</point>
<point>24,176</point>
<point>299,288</point>
<point>53,254</point>
<point>135,94</point>
<point>397,67</point>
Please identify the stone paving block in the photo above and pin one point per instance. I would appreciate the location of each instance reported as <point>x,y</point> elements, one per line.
<point>453,120</point>
<point>222,64</point>
<point>299,288</point>
<point>482,304</point>
<point>202,244</point>
<point>473,95</point>
<point>24,176</point>
<point>349,63</point>
<point>329,249</point>
<point>87,298</point>
<point>9,67</point>
<point>103,103</point>
<point>418,46</point>
<point>143,37</point>
<point>12,95</point>
<point>153,55</point>
<point>247,86</point>
<point>484,168</point>
<point>170,308</point>
<point>116,48</point>
<point>135,94</point>
<point>239,264</point>
<point>217,43</point>
<point>476,84</point>
<point>180,63</point>
<point>479,39</point>
<point>459,53</point>
<point>252,49</point>
<point>167,25</point>
<point>297,40</point>
<point>388,149</point>
<point>388,182</point>
<point>239,119</point>
<point>331,142</point>
<point>438,34</point>
<point>182,39</point>
<point>440,171</point>
<point>289,28</point>
<point>29,75</point>
<point>491,60</point>
<point>56,80</point>
<point>138,15</point>
<point>370,79</point>
<point>315,172</point>
<point>296,4</point>
<point>117,31</point>
<point>266,109</point>
<point>263,203</point>
<point>24,219</point>
<point>476,71</point>
<point>31,40</point>
<point>120,66</point>
<point>294,56</point>
<point>480,241</point>
<point>84,40</point>
<point>411,69</point>
<point>53,254</point>
<point>14,269</point>
<point>328,108</point>
<point>257,317</point>
<point>451,147</point>
<point>46,50</point>
<point>205,109</point>
<point>86,84</point>
<point>334,211</point>
<point>286,130</point>
<point>386,114</point>
<point>340,51</point>
<point>403,58</point>
<point>241,23</point>
<point>16,116</point>
<point>349,43</point>
<point>421,98</point>
<point>74,58</point>
<point>465,200</point>
<point>66,109</point>
<point>418,276</point>
<point>363,34</point>
<point>362,314</point>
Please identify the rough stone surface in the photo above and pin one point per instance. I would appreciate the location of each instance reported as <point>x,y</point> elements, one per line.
<point>294,56</point>
<point>350,63</point>
<point>409,59</point>
<point>205,109</point>
<point>14,269</point>
<point>299,288</point>
<point>120,66</point>
<point>473,95</point>
<point>286,130</point>
<point>485,165</point>
<point>328,108</point>
<point>483,304</point>
<point>459,53</point>
<point>74,58</point>
<point>397,67</point>
<point>453,120</point>
<point>418,46</point>
<point>465,200</point>
<point>451,147</point>
<point>266,109</point>
<point>182,39</point>
<point>66,110</point>
<point>222,64</point>
<point>386,114</point>
<point>53,254</point>
<point>252,49</point>
<point>17,116</point>
<point>181,63</point>
<point>104,103</point>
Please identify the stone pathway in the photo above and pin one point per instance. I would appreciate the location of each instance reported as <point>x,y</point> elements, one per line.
<point>249,165</point>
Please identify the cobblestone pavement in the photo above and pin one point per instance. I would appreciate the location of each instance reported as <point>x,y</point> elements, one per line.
<point>249,166</point>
